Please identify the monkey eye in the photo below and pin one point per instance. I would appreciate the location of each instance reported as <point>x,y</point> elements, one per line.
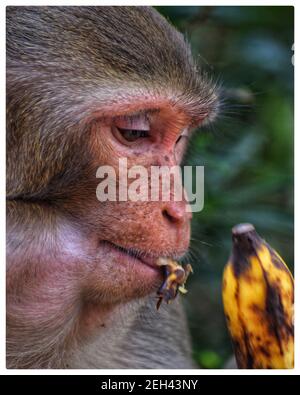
<point>131,135</point>
<point>129,129</point>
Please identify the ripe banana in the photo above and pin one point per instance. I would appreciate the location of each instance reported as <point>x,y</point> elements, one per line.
<point>258,298</point>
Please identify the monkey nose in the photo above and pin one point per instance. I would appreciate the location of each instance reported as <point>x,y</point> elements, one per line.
<point>176,213</point>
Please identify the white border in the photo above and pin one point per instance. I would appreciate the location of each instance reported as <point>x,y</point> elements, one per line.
<point>3,369</point>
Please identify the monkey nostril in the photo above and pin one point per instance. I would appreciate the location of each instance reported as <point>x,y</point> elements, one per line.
<point>168,216</point>
<point>174,214</point>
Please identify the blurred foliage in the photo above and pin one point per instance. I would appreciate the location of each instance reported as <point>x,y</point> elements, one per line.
<point>247,153</point>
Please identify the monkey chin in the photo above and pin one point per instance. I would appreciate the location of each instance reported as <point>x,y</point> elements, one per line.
<point>119,277</point>
<point>124,275</point>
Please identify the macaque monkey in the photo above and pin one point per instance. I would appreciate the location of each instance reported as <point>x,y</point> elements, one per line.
<point>85,87</point>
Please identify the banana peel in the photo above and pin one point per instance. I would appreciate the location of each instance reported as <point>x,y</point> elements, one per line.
<point>175,279</point>
<point>258,299</point>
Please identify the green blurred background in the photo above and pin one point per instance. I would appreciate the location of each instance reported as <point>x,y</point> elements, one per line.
<point>247,153</point>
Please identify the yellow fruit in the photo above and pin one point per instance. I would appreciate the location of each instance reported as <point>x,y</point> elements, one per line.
<point>258,298</point>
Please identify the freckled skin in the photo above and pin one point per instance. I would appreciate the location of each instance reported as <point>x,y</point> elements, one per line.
<point>68,78</point>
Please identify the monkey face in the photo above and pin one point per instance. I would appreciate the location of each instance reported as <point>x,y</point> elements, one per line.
<point>129,236</point>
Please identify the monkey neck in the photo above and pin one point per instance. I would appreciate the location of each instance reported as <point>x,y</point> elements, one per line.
<point>96,319</point>
<point>104,331</point>
<point>137,337</point>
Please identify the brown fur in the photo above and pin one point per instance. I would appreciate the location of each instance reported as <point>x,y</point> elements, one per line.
<point>70,71</point>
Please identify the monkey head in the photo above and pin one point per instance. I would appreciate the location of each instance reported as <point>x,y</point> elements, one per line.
<point>87,86</point>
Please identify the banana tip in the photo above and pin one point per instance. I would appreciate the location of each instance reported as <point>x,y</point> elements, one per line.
<point>242,228</point>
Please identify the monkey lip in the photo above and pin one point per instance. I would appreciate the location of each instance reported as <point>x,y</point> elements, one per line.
<point>143,257</point>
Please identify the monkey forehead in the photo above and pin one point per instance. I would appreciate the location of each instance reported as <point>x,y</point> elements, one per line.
<point>106,54</point>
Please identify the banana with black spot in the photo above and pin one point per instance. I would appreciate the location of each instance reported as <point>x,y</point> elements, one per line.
<point>258,298</point>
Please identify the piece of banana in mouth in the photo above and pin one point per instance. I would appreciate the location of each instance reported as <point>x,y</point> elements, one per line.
<point>175,279</point>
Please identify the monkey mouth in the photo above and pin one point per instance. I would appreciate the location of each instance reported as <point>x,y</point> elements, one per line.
<point>134,254</point>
